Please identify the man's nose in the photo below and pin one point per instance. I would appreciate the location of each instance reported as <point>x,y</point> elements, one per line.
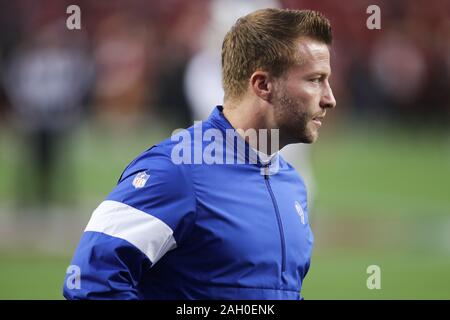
<point>328,101</point>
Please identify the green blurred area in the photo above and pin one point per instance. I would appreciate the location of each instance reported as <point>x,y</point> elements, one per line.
<point>332,276</point>
<point>382,199</point>
<point>384,170</point>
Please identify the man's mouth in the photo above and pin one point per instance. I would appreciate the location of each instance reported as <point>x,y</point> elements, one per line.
<point>318,120</point>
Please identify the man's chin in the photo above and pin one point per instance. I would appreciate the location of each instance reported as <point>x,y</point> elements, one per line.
<point>310,140</point>
<point>309,137</point>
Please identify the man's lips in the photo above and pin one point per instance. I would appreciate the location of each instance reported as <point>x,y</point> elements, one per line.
<point>318,120</point>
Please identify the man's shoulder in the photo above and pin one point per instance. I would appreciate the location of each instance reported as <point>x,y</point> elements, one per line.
<point>156,158</point>
<point>167,153</point>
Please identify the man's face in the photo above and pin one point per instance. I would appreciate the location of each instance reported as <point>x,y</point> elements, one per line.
<point>302,94</point>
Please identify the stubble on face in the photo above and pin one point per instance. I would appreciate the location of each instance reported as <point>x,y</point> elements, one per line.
<point>302,94</point>
<point>292,118</point>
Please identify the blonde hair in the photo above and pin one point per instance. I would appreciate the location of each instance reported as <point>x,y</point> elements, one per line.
<point>265,40</point>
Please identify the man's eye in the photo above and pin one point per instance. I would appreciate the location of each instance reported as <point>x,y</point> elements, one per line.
<point>316,80</point>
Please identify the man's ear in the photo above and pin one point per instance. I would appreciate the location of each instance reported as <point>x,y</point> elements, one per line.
<point>261,84</point>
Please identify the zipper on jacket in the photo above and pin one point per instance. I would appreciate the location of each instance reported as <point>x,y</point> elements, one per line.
<point>280,224</point>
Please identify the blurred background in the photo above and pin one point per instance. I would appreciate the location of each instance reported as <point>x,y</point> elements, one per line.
<point>76,106</point>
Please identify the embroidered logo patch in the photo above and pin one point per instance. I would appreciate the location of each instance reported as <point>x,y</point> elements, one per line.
<point>300,212</point>
<point>140,180</point>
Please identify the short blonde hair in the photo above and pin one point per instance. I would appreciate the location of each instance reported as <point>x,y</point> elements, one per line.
<point>264,40</point>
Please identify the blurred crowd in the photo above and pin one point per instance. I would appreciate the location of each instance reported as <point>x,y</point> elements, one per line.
<point>159,60</point>
<point>130,58</point>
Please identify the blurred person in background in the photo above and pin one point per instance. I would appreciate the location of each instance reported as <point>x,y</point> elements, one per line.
<point>398,68</point>
<point>180,40</point>
<point>122,54</point>
<point>46,80</point>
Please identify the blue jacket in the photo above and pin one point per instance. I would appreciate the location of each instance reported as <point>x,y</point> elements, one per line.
<point>197,231</point>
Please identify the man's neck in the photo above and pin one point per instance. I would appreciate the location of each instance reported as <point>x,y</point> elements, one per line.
<point>245,117</point>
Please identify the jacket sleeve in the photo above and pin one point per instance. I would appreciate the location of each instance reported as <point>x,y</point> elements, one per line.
<point>149,213</point>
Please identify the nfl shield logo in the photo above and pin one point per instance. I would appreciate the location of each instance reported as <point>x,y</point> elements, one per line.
<point>140,179</point>
<point>300,212</point>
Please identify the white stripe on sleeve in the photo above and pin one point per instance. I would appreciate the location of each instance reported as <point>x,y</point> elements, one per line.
<point>147,233</point>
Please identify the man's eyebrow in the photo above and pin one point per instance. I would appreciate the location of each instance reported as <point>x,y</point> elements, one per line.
<point>320,73</point>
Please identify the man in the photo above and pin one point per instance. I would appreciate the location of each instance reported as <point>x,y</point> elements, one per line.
<point>198,229</point>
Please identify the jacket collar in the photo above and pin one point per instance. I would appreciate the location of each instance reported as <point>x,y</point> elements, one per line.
<point>218,120</point>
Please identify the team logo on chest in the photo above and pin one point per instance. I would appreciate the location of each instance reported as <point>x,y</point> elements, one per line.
<point>300,212</point>
<point>140,180</point>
